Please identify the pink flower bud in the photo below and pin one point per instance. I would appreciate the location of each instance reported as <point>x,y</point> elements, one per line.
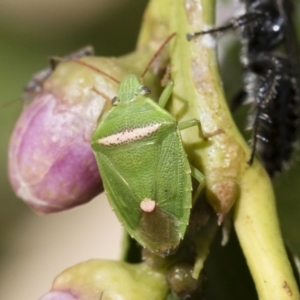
<point>51,163</point>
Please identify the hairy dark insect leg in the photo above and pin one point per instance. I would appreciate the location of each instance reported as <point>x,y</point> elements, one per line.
<point>263,99</point>
<point>235,23</point>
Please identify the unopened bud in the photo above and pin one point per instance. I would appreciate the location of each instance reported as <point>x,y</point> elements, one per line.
<point>51,163</point>
<point>108,280</point>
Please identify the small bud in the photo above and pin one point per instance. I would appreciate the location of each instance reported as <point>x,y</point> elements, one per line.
<point>51,164</point>
<point>108,280</point>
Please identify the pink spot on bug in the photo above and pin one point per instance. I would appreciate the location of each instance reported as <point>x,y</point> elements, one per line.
<point>148,205</point>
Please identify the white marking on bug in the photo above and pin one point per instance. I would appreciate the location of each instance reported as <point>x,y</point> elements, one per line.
<point>129,135</point>
<point>148,205</point>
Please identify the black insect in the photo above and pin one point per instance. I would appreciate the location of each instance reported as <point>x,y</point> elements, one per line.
<point>269,58</point>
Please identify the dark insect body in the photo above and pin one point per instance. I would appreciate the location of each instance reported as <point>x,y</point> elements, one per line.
<point>271,79</point>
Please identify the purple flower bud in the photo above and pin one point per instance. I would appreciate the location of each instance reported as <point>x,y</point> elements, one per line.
<point>51,164</point>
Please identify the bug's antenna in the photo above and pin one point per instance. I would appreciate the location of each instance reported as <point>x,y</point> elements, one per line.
<point>96,69</point>
<point>157,53</point>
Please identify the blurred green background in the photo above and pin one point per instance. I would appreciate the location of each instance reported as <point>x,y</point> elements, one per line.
<point>30,31</point>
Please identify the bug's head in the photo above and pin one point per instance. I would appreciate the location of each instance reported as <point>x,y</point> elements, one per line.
<point>130,87</point>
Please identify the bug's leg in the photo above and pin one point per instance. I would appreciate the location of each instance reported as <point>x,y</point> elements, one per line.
<point>166,94</point>
<point>194,122</point>
<point>163,99</point>
<point>264,99</point>
<point>254,135</point>
<point>200,178</point>
<point>189,123</point>
<point>246,23</point>
<point>167,76</point>
<point>228,26</point>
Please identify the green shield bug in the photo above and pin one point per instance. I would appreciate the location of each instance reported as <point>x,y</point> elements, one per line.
<point>144,167</point>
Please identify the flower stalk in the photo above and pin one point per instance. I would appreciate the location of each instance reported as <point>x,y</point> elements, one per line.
<point>198,93</point>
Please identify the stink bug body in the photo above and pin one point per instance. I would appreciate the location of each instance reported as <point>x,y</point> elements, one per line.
<point>144,168</point>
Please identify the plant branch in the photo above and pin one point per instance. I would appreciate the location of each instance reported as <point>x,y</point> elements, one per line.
<point>198,93</point>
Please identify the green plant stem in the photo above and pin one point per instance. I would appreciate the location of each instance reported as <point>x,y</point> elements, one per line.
<point>198,93</point>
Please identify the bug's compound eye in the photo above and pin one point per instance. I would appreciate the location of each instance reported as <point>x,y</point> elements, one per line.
<point>114,100</point>
<point>145,90</point>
